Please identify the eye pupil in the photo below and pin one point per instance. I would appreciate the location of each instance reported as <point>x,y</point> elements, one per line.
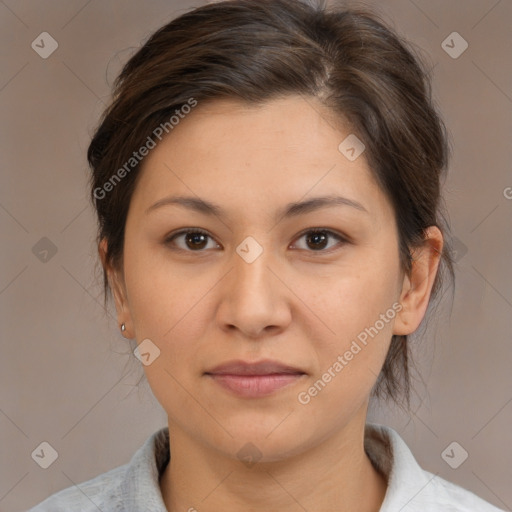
<point>192,238</point>
<point>317,237</point>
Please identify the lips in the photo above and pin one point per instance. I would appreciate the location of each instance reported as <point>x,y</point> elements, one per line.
<point>254,380</point>
<point>266,367</point>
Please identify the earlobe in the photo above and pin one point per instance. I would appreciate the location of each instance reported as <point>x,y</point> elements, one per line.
<point>417,285</point>
<point>117,286</point>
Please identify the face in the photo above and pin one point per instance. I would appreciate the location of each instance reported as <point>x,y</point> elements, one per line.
<point>250,281</point>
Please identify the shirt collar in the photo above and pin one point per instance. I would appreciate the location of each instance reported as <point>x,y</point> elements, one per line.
<point>408,485</point>
<point>141,487</point>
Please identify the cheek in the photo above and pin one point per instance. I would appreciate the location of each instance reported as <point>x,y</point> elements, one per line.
<point>361,309</point>
<point>170,308</point>
<point>362,294</point>
<point>161,296</point>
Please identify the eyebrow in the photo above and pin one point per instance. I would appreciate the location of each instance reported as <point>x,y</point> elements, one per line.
<point>289,210</point>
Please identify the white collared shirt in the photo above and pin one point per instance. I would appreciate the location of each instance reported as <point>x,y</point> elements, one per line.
<point>134,487</point>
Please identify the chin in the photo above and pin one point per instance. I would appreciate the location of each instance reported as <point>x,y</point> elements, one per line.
<point>268,440</point>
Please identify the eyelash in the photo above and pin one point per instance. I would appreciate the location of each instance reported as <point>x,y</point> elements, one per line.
<point>343,240</point>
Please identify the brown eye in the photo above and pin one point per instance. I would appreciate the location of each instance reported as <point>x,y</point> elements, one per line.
<point>318,239</point>
<point>193,240</point>
<point>196,240</point>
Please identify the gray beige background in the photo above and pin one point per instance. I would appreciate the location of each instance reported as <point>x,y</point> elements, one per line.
<point>67,376</point>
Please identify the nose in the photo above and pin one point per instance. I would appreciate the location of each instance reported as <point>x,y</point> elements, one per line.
<point>254,300</point>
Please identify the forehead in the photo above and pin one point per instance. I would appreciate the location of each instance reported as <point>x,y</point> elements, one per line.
<point>234,150</point>
<point>289,124</point>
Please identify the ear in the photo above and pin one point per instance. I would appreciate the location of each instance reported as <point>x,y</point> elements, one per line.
<point>417,286</point>
<point>117,285</point>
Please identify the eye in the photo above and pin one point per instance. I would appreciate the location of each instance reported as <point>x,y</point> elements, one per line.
<point>318,239</point>
<point>194,239</point>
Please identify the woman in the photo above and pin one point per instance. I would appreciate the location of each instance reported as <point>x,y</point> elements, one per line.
<point>267,184</point>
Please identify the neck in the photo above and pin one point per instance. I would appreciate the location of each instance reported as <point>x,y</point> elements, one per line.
<point>334,475</point>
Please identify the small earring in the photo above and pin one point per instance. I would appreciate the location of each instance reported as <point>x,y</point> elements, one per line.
<point>123,327</point>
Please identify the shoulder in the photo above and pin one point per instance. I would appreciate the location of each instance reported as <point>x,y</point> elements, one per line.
<point>131,487</point>
<point>94,494</point>
<point>455,498</point>
<point>411,488</point>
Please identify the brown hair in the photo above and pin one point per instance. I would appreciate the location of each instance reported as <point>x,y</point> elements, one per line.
<point>257,50</point>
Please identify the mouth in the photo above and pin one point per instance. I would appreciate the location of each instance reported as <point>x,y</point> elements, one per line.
<point>253,380</point>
